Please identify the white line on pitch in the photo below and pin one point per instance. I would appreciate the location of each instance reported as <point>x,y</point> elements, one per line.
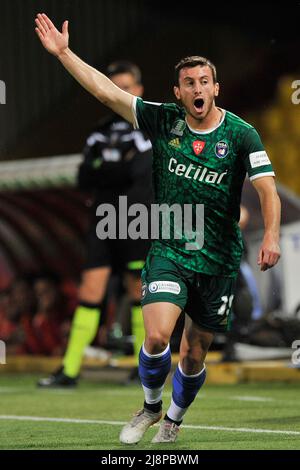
<point>251,398</point>
<point>57,391</point>
<point>120,423</point>
<point>9,389</point>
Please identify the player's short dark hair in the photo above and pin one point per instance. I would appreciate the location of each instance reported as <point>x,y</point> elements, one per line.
<point>193,61</point>
<point>124,66</point>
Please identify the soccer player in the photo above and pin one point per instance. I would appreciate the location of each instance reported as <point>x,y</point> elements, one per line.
<point>117,161</point>
<point>201,154</point>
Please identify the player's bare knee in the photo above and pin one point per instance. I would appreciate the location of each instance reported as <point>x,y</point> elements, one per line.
<point>192,365</point>
<point>156,342</point>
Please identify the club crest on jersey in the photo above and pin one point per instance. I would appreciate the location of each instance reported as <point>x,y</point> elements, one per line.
<point>198,146</point>
<point>221,149</point>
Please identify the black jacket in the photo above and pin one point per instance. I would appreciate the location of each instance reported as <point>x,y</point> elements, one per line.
<point>117,161</point>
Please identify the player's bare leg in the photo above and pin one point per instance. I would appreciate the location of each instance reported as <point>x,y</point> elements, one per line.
<point>154,366</point>
<point>188,378</point>
<point>194,347</point>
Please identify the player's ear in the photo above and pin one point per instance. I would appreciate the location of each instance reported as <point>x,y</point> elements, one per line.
<point>217,89</point>
<point>177,92</point>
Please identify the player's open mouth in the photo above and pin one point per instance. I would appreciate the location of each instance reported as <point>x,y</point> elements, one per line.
<point>199,103</point>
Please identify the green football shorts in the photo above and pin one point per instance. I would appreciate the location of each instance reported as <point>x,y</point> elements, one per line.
<point>206,299</point>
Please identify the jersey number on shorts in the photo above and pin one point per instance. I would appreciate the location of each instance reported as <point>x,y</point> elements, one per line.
<point>226,305</point>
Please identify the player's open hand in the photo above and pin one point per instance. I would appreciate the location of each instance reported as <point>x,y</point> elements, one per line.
<point>269,253</point>
<point>52,40</point>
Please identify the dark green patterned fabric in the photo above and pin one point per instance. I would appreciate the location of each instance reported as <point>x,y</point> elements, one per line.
<point>206,168</point>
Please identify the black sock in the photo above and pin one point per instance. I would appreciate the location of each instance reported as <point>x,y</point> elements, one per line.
<point>166,418</point>
<point>155,407</point>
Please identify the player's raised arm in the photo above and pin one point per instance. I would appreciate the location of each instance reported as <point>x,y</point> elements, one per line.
<point>92,80</point>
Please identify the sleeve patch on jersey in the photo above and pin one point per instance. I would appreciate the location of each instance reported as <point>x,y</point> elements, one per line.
<point>164,286</point>
<point>259,159</point>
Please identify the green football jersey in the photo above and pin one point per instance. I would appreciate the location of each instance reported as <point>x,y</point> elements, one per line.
<point>209,168</point>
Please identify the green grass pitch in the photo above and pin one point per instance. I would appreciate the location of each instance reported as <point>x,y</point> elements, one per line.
<point>248,416</point>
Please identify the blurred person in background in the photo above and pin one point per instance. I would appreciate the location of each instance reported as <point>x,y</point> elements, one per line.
<point>52,315</point>
<point>9,331</point>
<point>33,313</point>
<point>117,161</point>
<point>247,271</point>
<point>246,305</point>
<point>18,307</point>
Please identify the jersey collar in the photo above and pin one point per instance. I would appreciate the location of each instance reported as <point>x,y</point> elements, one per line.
<point>208,131</point>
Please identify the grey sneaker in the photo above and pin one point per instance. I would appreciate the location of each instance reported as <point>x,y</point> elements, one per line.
<point>167,432</point>
<point>133,431</point>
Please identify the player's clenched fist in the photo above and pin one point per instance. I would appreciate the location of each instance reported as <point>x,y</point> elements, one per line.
<point>52,40</point>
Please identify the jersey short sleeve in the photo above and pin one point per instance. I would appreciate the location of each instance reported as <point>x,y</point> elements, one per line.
<point>147,116</point>
<point>255,157</point>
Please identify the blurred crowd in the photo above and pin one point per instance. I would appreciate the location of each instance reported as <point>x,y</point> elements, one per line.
<point>35,314</point>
